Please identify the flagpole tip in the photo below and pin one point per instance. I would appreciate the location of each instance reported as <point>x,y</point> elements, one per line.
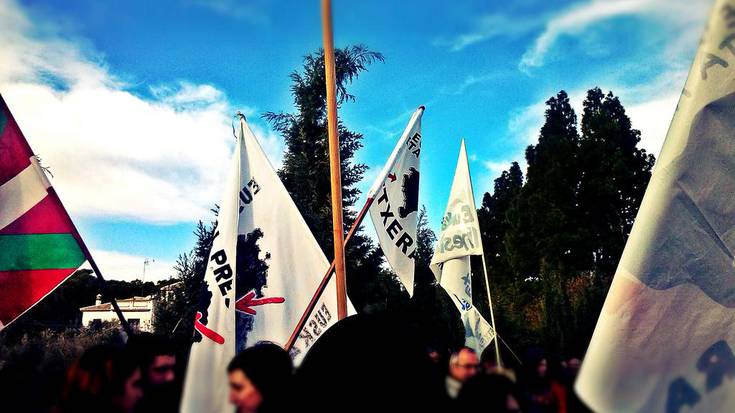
<point>422,107</point>
<point>241,115</point>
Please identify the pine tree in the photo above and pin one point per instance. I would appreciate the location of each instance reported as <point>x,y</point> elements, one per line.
<point>615,174</point>
<point>305,171</point>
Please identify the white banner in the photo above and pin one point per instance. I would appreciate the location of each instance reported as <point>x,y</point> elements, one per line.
<point>264,267</point>
<point>456,279</point>
<point>664,340</point>
<point>460,230</point>
<point>395,195</point>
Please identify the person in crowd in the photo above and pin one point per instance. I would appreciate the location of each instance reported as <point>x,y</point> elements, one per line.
<point>544,393</point>
<point>369,363</point>
<point>493,393</point>
<point>488,360</point>
<point>260,379</point>
<point>463,365</point>
<point>156,356</point>
<point>571,370</point>
<point>104,379</point>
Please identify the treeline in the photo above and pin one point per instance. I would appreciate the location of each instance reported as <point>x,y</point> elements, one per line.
<point>553,238</point>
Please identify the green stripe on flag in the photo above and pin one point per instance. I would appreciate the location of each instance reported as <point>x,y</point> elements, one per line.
<point>39,252</point>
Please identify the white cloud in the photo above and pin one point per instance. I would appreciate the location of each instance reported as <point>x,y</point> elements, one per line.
<point>113,153</point>
<point>524,123</point>
<point>121,266</point>
<point>652,118</point>
<point>251,11</point>
<point>686,15</point>
<point>490,26</point>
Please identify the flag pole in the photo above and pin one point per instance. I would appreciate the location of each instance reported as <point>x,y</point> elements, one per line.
<point>93,264</point>
<point>325,280</point>
<point>487,279</point>
<point>334,158</point>
<point>492,316</point>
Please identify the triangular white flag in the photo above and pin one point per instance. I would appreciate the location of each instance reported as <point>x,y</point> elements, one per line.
<point>460,230</point>
<point>263,270</point>
<point>665,338</point>
<point>458,240</point>
<point>395,200</point>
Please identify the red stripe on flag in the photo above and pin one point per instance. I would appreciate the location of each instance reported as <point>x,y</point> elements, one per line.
<point>20,290</point>
<point>44,218</point>
<point>14,149</point>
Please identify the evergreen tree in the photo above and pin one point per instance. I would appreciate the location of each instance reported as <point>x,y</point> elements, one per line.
<point>305,171</point>
<point>615,174</point>
<point>545,243</point>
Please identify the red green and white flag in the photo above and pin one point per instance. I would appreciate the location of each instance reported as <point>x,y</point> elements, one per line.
<point>39,247</point>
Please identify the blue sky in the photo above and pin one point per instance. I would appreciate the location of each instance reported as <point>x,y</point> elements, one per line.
<point>129,103</point>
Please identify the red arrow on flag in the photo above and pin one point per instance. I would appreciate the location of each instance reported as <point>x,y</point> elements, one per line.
<point>206,332</point>
<point>392,177</point>
<point>248,300</point>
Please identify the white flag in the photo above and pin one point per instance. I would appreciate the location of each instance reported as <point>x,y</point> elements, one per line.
<point>395,197</point>
<point>456,279</point>
<point>458,240</point>
<point>460,231</point>
<point>263,269</point>
<point>665,337</point>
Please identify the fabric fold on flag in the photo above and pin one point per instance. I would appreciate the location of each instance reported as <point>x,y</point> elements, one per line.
<point>664,340</point>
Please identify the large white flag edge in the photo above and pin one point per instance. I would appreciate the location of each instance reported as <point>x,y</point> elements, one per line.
<point>664,339</point>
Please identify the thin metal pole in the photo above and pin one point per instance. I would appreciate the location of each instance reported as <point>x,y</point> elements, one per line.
<point>334,159</point>
<point>492,316</point>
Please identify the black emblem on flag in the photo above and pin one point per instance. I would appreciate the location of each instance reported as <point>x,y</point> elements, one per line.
<point>410,190</point>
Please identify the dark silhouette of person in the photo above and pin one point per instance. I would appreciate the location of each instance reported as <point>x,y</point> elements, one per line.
<point>156,356</point>
<point>370,363</point>
<point>104,379</point>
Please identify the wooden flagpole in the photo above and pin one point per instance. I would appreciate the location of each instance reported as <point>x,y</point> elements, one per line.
<point>334,159</point>
<point>325,280</point>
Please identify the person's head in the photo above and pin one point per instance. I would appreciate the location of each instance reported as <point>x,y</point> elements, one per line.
<point>368,362</point>
<point>463,364</point>
<point>105,378</point>
<point>157,357</point>
<point>259,377</point>
<point>494,392</point>
<point>542,368</point>
<point>573,365</point>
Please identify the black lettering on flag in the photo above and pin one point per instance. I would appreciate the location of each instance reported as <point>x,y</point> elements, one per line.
<point>307,337</point>
<point>384,196</point>
<point>223,272</point>
<point>219,257</point>
<point>394,228</point>
<point>404,242</point>
<point>386,214</point>
<point>681,394</point>
<point>716,363</point>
